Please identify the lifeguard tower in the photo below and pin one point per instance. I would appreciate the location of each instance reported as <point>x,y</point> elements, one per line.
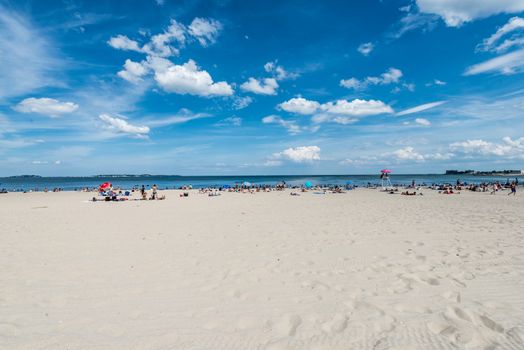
<point>384,179</point>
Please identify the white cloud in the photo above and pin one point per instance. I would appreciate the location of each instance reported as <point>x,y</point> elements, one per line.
<point>162,44</point>
<point>300,105</point>
<point>332,118</point>
<point>353,83</point>
<point>514,24</point>
<point>392,75</point>
<point>122,126</point>
<point>175,36</point>
<point>182,79</point>
<point>420,108</point>
<point>509,148</point>
<point>457,12</point>
<point>183,116</point>
<point>133,71</point>
<point>292,127</point>
<point>188,79</point>
<point>302,154</point>
<point>414,21</point>
<point>509,63</point>
<point>45,106</point>
<point>422,121</point>
<point>28,59</point>
<point>366,48</point>
<point>267,86</point>
<point>340,111</point>
<point>356,107</point>
<point>230,121</point>
<point>122,42</point>
<point>279,72</point>
<point>241,102</point>
<point>205,30</point>
<point>408,153</point>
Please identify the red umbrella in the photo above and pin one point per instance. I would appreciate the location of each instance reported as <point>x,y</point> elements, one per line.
<point>385,171</point>
<point>105,186</point>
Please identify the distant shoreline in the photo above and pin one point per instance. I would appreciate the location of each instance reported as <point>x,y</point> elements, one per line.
<point>479,174</point>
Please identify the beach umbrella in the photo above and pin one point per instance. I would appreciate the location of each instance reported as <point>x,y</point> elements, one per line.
<point>105,186</point>
<point>245,183</point>
<point>385,171</point>
<point>308,184</point>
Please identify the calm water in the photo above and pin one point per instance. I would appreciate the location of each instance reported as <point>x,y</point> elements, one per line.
<point>72,183</point>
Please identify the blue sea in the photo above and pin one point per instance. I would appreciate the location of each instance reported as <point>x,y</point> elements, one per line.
<point>170,182</point>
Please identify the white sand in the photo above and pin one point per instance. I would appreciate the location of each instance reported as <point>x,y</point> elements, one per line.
<point>362,270</point>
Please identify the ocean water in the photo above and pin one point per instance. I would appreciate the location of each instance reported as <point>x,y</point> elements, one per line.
<point>164,182</point>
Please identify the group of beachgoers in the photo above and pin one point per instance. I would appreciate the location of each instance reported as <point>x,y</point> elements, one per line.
<point>492,187</point>
<point>152,193</point>
<point>109,194</point>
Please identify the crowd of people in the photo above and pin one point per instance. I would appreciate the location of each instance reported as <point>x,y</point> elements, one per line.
<point>109,194</point>
<point>152,192</point>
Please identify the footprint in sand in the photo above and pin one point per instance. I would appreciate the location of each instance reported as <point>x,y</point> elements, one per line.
<point>288,324</point>
<point>467,328</point>
<point>400,286</point>
<point>336,325</point>
<point>452,296</point>
<point>412,308</point>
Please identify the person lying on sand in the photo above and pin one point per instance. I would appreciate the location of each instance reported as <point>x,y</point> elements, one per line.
<point>294,194</point>
<point>407,193</point>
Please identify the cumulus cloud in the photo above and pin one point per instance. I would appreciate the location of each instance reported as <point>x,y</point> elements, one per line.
<point>205,30</point>
<point>420,108</point>
<point>508,148</point>
<point>509,63</point>
<point>366,48</point>
<point>168,43</point>
<point>162,44</point>
<point>457,12</point>
<point>302,154</point>
<point>514,24</point>
<point>279,73</point>
<point>353,83</point>
<point>120,125</point>
<point>340,111</point>
<point>357,107</point>
<point>408,153</point>
<point>133,71</point>
<point>122,42</point>
<point>267,86</point>
<point>188,79</point>
<point>45,106</point>
<point>300,105</point>
<point>392,75</point>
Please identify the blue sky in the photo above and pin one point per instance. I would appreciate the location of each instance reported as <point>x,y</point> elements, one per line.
<point>260,87</point>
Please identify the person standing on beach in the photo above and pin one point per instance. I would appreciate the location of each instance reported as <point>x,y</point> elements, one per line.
<point>154,195</point>
<point>513,188</point>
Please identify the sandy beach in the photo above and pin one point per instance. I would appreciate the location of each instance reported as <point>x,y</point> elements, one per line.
<point>359,270</point>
